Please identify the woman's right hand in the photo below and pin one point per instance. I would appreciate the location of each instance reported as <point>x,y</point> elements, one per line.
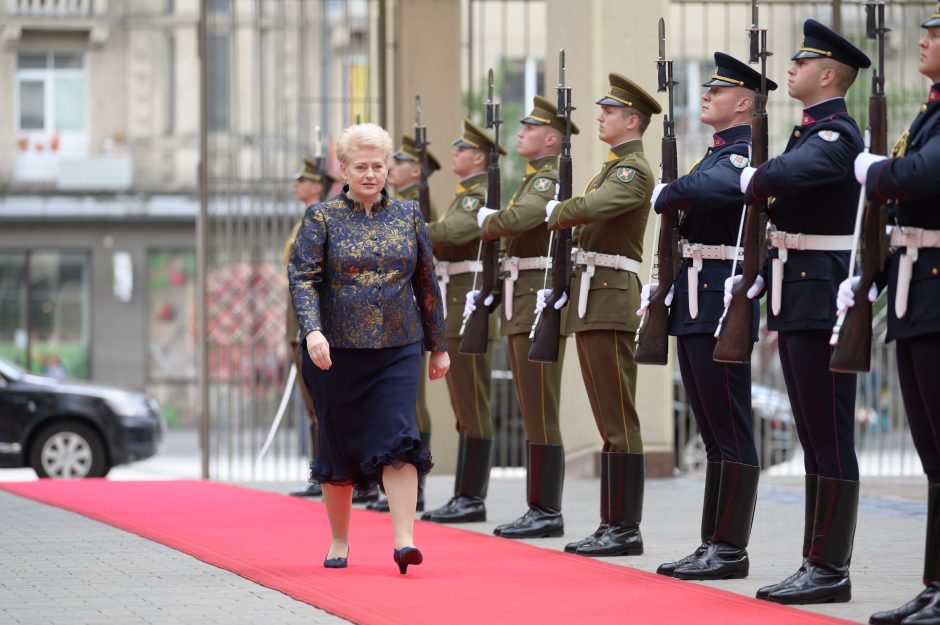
<point>438,365</point>
<point>319,350</point>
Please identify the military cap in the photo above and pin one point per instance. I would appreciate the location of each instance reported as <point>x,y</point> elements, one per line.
<point>625,92</point>
<point>730,72</point>
<point>821,42</point>
<point>545,113</point>
<point>408,152</point>
<point>311,171</point>
<point>933,20</point>
<point>475,137</point>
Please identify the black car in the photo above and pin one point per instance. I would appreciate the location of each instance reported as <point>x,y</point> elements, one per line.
<point>69,429</point>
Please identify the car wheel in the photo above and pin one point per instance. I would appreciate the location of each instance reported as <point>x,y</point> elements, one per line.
<point>68,450</point>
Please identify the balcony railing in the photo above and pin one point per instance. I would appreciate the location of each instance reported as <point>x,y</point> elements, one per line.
<point>55,8</point>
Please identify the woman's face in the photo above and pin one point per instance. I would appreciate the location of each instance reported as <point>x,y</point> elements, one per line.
<point>365,171</point>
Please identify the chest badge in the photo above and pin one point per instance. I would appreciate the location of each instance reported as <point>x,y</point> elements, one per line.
<point>542,184</point>
<point>828,135</point>
<point>625,174</point>
<point>739,160</point>
<point>470,204</point>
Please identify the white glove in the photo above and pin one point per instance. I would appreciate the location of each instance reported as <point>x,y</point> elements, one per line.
<point>647,291</point>
<point>656,191</point>
<point>542,294</point>
<point>471,304</point>
<point>846,297</point>
<point>483,213</point>
<point>746,174</point>
<point>756,289</point>
<point>549,207</point>
<point>862,162</point>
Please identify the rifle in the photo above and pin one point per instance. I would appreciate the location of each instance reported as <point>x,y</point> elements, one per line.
<point>546,330</point>
<point>652,337</point>
<point>421,145</point>
<point>734,334</point>
<point>475,329</point>
<point>851,336</point>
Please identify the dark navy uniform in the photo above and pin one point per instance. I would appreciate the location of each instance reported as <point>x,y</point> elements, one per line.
<point>710,199</point>
<point>911,180</point>
<point>816,196</point>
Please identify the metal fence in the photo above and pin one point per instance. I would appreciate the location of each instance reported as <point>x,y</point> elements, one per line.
<point>272,71</point>
<point>883,440</point>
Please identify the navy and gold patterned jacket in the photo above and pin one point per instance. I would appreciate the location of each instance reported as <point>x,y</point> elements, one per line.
<point>366,281</point>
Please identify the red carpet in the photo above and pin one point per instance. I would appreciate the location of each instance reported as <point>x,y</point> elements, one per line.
<point>467,578</point>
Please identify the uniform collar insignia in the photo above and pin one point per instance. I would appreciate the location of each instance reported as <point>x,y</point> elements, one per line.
<point>732,134</point>
<point>530,169</point>
<point>823,110</point>
<point>934,93</point>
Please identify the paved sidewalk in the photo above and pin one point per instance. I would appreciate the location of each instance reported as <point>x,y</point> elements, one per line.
<point>59,567</point>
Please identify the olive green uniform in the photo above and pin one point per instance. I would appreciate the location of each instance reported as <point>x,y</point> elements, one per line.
<point>455,237</point>
<point>611,218</point>
<point>537,385</point>
<point>291,330</point>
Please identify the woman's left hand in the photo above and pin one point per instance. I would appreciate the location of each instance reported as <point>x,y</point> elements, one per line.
<point>438,365</point>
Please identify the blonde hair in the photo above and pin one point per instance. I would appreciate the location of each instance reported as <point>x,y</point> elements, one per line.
<point>361,136</point>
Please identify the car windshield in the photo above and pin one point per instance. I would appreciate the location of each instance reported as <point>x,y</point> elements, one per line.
<point>9,370</point>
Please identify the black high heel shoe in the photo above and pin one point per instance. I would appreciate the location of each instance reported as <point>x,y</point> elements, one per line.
<point>336,563</point>
<point>405,556</point>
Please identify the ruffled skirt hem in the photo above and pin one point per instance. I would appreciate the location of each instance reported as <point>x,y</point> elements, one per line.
<point>407,451</point>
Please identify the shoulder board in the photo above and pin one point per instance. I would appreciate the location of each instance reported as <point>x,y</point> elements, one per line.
<point>829,135</point>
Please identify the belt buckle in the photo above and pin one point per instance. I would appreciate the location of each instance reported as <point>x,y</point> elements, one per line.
<point>589,259</point>
<point>696,250</point>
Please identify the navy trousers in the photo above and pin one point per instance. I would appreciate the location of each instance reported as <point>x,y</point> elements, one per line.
<point>720,397</point>
<point>920,388</point>
<point>823,404</point>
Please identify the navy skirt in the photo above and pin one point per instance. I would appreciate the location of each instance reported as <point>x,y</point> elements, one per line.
<point>365,405</point>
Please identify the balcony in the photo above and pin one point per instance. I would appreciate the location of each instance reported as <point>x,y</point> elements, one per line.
<point>18,16</point>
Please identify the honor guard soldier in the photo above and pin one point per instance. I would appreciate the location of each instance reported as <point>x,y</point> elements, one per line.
<point>611,220</point>
<point>910,180</point>
<point>404,173</point>
<point>811,222</point>
<point>311,184</point>
<point>710,203</point>
<point>455,237</point>
<point>538,385</point>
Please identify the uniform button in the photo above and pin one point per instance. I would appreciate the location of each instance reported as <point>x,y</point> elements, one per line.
<point>453,300</point>
<point>705,286</point>
<point>934,271</point>
<point>531,290</point>
<point>923,108</point>
<point>605,284</point>
<point>796,133</point>
<point>802,274</point>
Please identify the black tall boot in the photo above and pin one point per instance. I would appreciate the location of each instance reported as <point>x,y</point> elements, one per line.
<point>545,480</point>
<point>381,504</point>
<point>312,490</point>
<point>924,609</point>
<point>709,510</point>
<point>809,519</point>
<point>626,477</point>
<point>604,510</point>
<point>468,505</point>
<point>726,555</point>
<point>825,575</point>
<point>458,475</point>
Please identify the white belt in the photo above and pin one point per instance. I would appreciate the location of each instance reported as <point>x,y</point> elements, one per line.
<point>444,270</point>
<point>511,266</point>
<point>590,260</point>
<point>699,252</point>
<point>913,239</point>
<point>784,241</point>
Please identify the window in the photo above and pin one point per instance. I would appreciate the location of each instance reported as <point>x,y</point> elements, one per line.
<point>51,102</point>
<point>45,310</point>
